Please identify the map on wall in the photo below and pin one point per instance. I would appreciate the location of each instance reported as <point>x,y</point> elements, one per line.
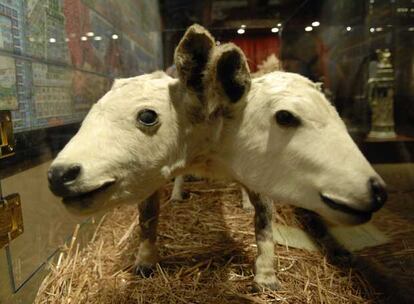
<point>8,95</point>
<point>72,49</point>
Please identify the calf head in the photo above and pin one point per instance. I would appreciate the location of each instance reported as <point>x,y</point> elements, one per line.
<point>137,135</point>
<point>283,139</point>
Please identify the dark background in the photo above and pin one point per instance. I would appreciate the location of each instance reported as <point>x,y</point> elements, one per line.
<point>329,53</point>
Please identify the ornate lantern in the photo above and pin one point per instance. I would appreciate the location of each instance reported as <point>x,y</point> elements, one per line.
<point>381,97</point>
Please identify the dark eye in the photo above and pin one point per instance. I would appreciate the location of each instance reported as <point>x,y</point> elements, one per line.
<point>148,117</point>
<point>287,119</point>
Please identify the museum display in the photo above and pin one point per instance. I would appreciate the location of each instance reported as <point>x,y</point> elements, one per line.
<point>244,151</point>
<point>216,94</point>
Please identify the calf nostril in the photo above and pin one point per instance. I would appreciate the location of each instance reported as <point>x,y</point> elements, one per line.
<point>70,174</point>
<point>60,177</point>
<point>379,193</point>
<point>50,175</point>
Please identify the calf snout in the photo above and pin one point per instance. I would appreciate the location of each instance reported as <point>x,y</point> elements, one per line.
<point>379,194</point>
<point>61,177</point>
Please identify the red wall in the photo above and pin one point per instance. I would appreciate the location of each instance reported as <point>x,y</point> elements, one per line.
<point>258,48</point>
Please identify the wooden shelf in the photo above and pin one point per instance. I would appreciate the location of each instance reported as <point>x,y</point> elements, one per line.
<point>388,150</point>
<point>398,138</point>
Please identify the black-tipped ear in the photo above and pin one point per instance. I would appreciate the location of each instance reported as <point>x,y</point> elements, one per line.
<point>191,57</point>
<point>232,71</point>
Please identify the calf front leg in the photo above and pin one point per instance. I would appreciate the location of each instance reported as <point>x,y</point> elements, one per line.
<point>265,276</point>
<point>148,219</point>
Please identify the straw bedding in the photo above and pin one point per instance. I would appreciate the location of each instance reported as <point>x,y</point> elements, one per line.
<point>207,250</point>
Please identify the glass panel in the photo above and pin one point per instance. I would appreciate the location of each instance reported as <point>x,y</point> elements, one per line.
<point>47,224</point>
<point>57,58</point>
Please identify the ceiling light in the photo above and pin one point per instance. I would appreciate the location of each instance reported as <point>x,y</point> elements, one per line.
<point>90,34</point>
<point>115,36</point>
<point>315,23</point>
<point>274,30</point>
<point>348,28</point>
<point>98,38</point>
<point>243,26</point>
<point>240,31</point>
<point>52,40</point>
<point>84,38</point>
<point>308,29</point>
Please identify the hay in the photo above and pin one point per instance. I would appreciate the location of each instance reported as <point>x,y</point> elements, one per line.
<point>207,249</point>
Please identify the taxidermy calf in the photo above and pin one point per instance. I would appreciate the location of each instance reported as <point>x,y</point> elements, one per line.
<point>276,135</point>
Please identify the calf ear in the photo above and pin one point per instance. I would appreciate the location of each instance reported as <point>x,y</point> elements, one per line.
<point>191,57</point>
<point>229,71</point>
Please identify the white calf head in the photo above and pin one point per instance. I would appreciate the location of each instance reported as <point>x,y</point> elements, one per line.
<point>137,135</point>
<point>129,129</point>
<point>286,141</point>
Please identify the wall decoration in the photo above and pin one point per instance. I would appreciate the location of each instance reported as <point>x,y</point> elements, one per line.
<point>71,50</point>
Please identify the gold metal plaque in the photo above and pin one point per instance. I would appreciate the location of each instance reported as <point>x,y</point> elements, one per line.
<point>6,135</point>
<point>11,219</point>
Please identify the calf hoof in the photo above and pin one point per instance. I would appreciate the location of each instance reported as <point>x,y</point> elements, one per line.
<point>144,271</point>
<point>179,197</point>
<point>271,284</point>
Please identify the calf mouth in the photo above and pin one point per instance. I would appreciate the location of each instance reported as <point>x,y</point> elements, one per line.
<point>340,206</point>
<point>85,196</point>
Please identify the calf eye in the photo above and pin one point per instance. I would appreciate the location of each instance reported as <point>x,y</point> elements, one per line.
<point>147,117</point>
<point>287,119</point>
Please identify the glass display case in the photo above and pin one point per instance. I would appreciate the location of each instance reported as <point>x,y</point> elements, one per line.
<point>59,57</point>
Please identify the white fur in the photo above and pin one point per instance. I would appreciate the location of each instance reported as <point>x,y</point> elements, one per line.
<point>177,192</point>
<point>112,146</point>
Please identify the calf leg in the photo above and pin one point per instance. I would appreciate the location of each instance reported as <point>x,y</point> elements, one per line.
<point>148,219</point>
<point>246,204</point>
<point>177,193</point>
<point>265,276</point>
